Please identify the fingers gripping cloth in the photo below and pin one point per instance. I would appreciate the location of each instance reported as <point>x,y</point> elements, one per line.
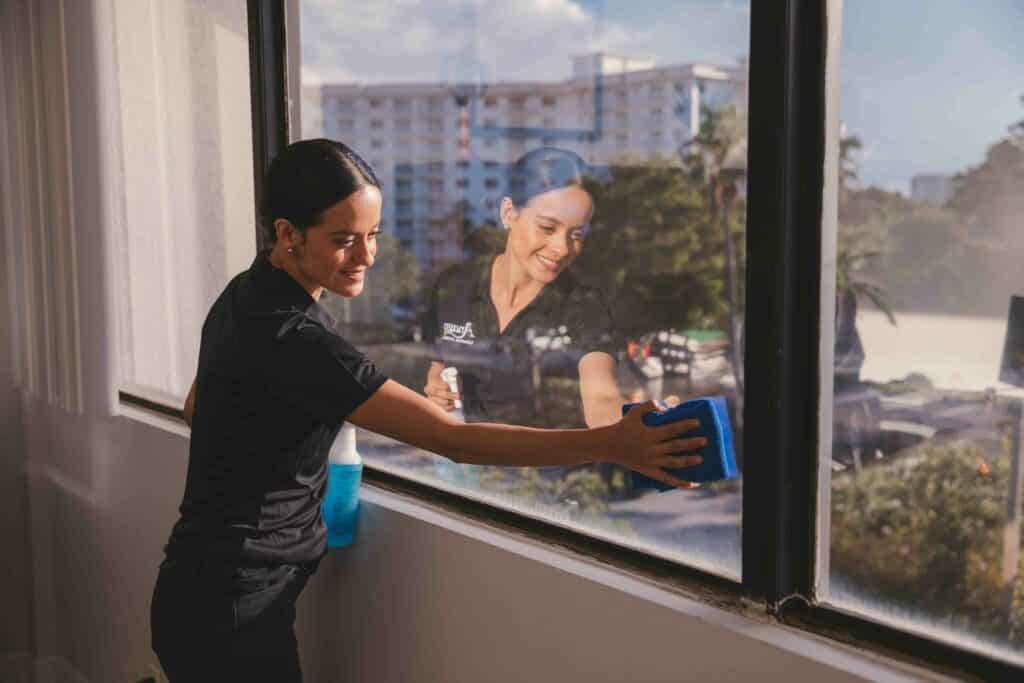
<point>719,459</point>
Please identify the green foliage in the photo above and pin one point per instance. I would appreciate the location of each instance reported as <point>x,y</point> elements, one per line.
<point>989,197</point>
<point>485,241</point>
<point>395,275</point>
<point>925,533</point>
<point>656,251</point>
<point>962,258</point>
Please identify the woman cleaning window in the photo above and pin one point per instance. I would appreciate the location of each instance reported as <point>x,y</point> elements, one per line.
<point>274,385</point>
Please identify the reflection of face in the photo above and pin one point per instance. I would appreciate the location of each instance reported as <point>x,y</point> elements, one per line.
<point>337,252</point>
<point>546,235</point>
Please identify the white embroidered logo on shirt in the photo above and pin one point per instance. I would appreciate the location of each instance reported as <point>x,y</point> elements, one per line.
<point>460,334</point>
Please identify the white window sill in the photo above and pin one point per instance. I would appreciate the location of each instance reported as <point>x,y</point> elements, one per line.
<point>856,662</point>
<point>153,419</point>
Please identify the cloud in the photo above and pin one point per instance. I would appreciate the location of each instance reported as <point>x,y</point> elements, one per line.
<point>447,41</point>
<point>405,41</point>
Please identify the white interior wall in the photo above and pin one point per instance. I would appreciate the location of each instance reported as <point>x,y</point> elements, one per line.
<point>412,601</point>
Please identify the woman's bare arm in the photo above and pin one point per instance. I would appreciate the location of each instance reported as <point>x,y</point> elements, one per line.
<point>602,400</point>
<point>402,414</point>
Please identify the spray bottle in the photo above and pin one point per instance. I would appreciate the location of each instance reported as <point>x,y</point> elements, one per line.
<point>446,470</point>
<point>450,375</point>
<point>341,504</point>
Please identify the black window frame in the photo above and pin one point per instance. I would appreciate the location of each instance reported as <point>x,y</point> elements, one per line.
<point>785,180</point>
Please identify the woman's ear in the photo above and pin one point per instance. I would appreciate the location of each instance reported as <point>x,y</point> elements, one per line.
<point>286,232</point>
<point>508,212</point>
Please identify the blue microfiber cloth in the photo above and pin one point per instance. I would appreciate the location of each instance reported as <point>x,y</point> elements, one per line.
<point>719,459</point>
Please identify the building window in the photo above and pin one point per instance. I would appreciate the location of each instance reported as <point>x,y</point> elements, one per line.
<point>548,101</point>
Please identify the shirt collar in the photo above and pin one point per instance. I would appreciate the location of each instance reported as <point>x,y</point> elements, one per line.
<point>276,282</point>
<point>284,293</point>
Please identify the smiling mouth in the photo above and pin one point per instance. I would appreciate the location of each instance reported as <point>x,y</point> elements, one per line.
<point>550,264</point>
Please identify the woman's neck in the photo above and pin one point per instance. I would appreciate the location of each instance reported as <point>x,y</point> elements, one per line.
<point>511,285</point>
<point>287,262</point>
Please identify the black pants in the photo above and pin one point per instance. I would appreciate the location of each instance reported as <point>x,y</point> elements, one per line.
<point>215,621</point>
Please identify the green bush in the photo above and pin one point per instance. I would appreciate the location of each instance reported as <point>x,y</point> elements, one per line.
<point>924,533</point>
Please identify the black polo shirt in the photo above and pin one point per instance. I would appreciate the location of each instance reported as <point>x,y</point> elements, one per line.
<point>500,370</point>
<point>274,385</point>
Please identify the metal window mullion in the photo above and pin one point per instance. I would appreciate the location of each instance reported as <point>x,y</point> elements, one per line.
<point>268,90</point>
<point>785,183</point>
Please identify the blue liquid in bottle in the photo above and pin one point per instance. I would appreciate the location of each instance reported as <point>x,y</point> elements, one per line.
<point>341,504</point>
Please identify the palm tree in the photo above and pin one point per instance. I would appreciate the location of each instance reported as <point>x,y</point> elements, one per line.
<point>718,154</point>
<point>850,279</point>
<point>851,284</point>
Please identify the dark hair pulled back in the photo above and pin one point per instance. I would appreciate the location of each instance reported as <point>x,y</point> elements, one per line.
<point>544,169</point>
<point>307,178</point>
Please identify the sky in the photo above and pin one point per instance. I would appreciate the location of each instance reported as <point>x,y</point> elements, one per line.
<point>927,85</point>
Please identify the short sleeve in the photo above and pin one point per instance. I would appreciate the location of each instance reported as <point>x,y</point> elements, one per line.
<point>591,326</point>
<point>319,372</point>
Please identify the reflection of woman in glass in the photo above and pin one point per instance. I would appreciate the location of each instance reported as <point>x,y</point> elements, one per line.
<point>274,385</point>
<point>490,318</point>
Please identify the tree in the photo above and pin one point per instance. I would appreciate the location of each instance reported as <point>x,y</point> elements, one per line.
<point>654,250</point>
<point>1018,128</point>
<point>989,200</point>
<point>989,196</point>
<point>718,156</point>
<point>485,241</point>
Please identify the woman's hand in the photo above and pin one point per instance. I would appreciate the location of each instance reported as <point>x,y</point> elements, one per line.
<point>437,389</point>
<point>649,449</point>
<point>630,442</point>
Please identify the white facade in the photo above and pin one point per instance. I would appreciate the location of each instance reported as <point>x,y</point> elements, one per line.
<point>442,164</point>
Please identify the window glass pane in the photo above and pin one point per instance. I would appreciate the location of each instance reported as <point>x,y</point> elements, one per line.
<point>926,450</point>
<point>608,264</point>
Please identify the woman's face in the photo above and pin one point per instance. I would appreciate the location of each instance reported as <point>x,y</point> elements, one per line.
<point>546,235</point>
<point>337,252</point>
